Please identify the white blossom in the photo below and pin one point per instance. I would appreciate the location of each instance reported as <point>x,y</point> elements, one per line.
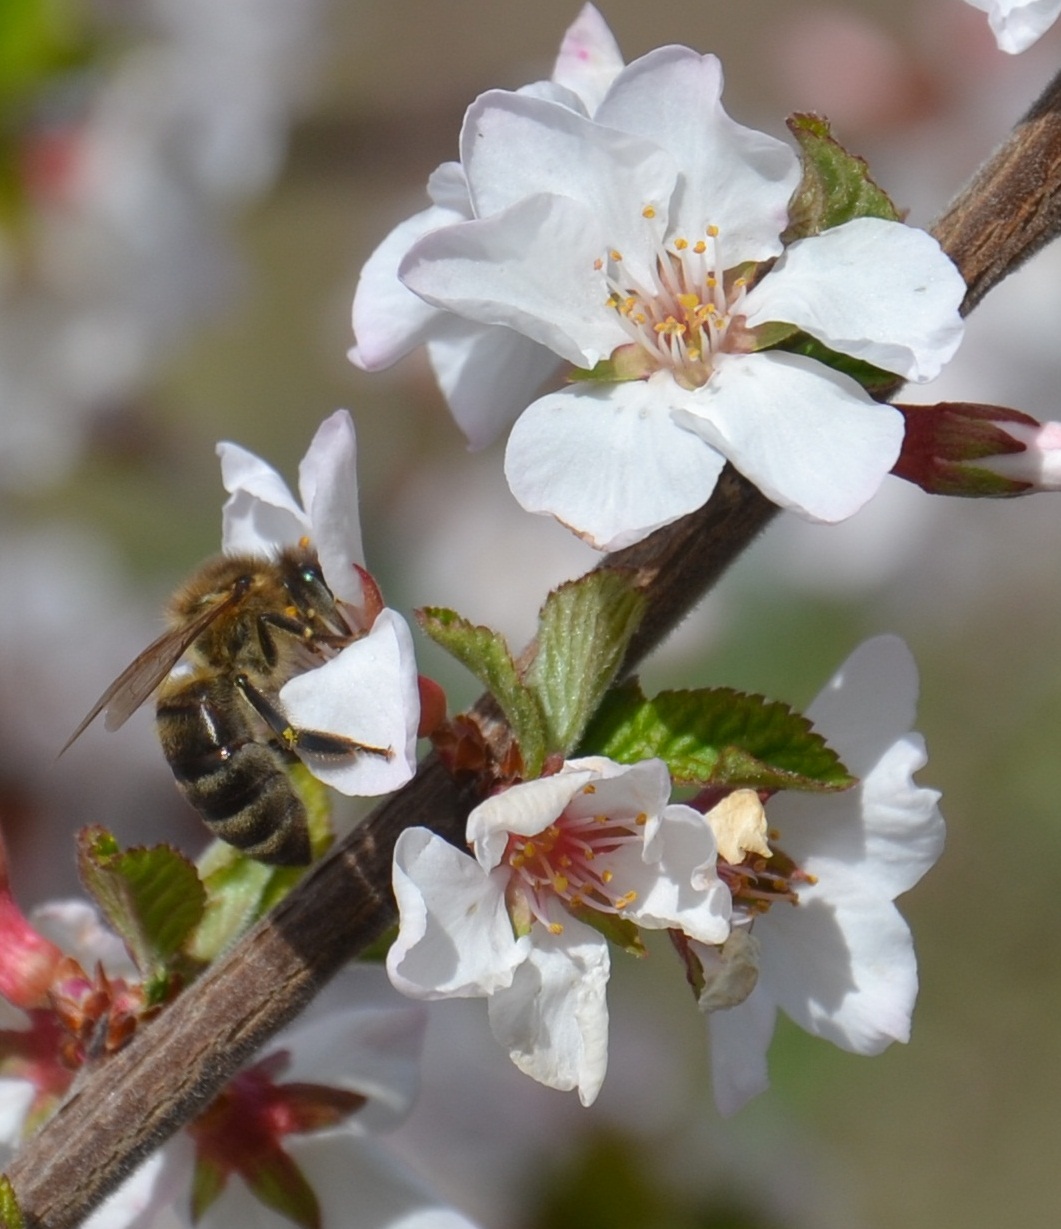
<point>596,838</point>
<point>488,373</point>
<point>840,961</point>
<point>368,692</point>
<point>1017,24</point>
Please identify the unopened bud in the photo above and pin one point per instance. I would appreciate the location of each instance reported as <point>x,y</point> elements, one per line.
<point>985,451</point>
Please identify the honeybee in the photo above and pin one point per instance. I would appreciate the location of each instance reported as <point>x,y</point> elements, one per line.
<point>247,625</point>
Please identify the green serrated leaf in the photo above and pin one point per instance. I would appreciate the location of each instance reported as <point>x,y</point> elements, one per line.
<point>618,930</point>
<point>716,736</point>
<point>836,186</point>
<point>152,897</point>
<point>486,654</point>
<point>583,630</point>
<point>10,1212</point>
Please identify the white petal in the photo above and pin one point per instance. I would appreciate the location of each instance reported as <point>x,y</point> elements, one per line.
<point>731,176</point>
<point>149,1197</point>
<point>260,513</point>
<point>843,972</point>
<point>74,927</point>
<point>357,1182</point>
<point>487,374</point>
<point>368,693</point>
<point>455,937</point>
<point>327,481</point>
<point>389,320</point>
<point>621,791</point>
<point>553,1019</point>
<point>680,889</point>
<point>811,439</point>
<point>16,1099</point>
<point>526,809</point>
<point>609,462</point>
<point>367,1047</point>
<point>514,146</point>
<point>1017,24</point>
<point>878,291</point>
<point>740,1038</point>
<point>530,268</point>
<point>877,840</point>
<point>589,59</point>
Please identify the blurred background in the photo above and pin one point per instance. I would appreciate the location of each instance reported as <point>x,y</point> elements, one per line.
<point>188,190</point>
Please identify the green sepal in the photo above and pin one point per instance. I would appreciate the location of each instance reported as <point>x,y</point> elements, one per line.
<point>208,1181</point>
<point>486,654</point>
<point>241,890</point>
<point>583,631</point>
<point>716,736</point>
<point>618,930</point>
<point>152,898</point>
<point>875,380</point>
<point>10,1212</point>
<point>278,1183</point>
<point>836,186</point>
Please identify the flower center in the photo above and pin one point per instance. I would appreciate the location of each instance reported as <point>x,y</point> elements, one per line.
<point>575,860</point>
<point>686,312</point>
<point>756,883</point>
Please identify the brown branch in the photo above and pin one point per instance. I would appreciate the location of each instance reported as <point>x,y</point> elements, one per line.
<point>1012,207</point>
<point>174,1067</point>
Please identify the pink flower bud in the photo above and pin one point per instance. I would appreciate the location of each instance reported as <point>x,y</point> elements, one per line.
<point>987,451</point>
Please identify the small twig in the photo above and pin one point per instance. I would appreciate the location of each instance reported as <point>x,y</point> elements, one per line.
<point>174,1067</point>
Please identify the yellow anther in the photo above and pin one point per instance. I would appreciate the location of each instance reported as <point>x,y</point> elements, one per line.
<point>700,248</point>
<point>689,301</point>
<point>589,789</point>
<point>608,876</point>
<point>530,850</point>
<point>712,283</point>
<point>615,255</point>
<point>641,819</point>
<point>713,231</point>
<point>556,928</point>
<point>649,211</point>
<point>624,902</point>
<point>680,245</point>
<point>561,883</point>
<point>303,542</point>
<point>598,264</point>
<point>600,819</point>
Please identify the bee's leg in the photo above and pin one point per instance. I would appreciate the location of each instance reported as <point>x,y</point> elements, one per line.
<point>313,742</point>
<point>270,623</point>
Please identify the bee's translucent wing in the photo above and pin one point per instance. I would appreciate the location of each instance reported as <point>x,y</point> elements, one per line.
<point>140,678</point>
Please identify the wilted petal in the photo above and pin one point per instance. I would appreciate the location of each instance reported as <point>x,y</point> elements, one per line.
<point>610,463</point>
<point>878,291</point>
<point>455,937</point>
<point>553,1018</point>
<point>810,438</point>
<point>367,693</point>
<point>260,514</point>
